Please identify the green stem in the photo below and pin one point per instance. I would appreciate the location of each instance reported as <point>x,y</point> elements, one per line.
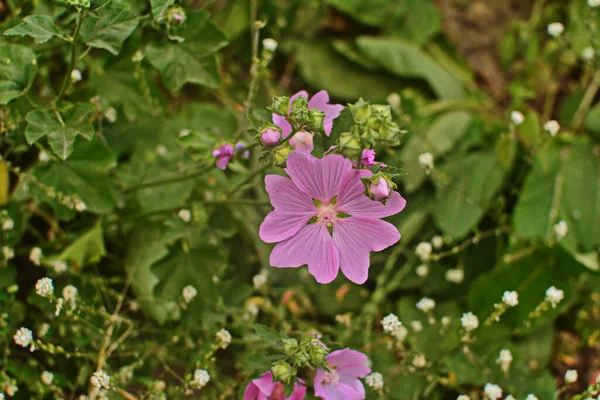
<point>247,180</point>
<point>170,179</point>
<point>584,106</point>
<point>65,84</point>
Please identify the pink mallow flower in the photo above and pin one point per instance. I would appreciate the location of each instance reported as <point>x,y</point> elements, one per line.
<point>319,101</point>
<point>264,388</point>
<point>224,154</point>
<point>342,381</point>
<point>323,218</point>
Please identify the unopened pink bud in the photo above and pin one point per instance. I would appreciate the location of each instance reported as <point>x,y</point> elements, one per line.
<point>302,141</point>
<point>381,190</point>
<point>270,137</point>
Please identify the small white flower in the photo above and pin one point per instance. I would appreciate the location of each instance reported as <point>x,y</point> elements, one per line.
<point>511,298</point>
<point>374,381</point>
<point>469,321</point>
<point>185,215</point>
<point>189,292</point>
<point>571,376</point>
<point>100,379</point>
<point>35,255</point>
<point>390,323</point>
<point>552,127</point>
<point>260,280</point>
<point>79,205</point>
<point>59,305</point>
<point>23,337</point>
<point>44,287</point>
<point>593,3</point>
<point>47,378</point>
<point>59,266</point>
<point>8,253</point>
<point>505,358</point>
<point>400,333</point>
<point>70,295</point>
<point>422,270</point>
<point>426,160</point>
<point>556,29</point>
<point>426,304</point>
<point>588,54</point>
<point>8,224</point>
<point>424,250</point>
<point>394,100</point>
<point>455,275</point>
<point>419,361</point>
<point>417,326</point>
<point>446,320</point>
<point>43,157</point>
<point>224,338</point>
<point>437,241</point>
<point>76,75</point>
<point>12,390</point>
<point>463,397</point>
<point>161,150</point>
<point>554,296</point>
<point>270,44</point>
<point>111,114</point>
<point>561,229</point>
<point>201,378</point>
<point>517,117</point>
<point>531,397</point>
<point>492,392</point>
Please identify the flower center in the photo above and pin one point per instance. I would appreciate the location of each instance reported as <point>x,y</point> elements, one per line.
<point>326,214</point>
<point>331,377</point>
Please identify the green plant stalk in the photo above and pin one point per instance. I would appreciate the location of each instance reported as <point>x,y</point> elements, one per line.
<point>80,16</point>
<point>586,102</point>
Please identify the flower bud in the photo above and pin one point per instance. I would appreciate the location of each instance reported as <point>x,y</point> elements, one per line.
<point>380,190</point>
<point>299,111</point>
<point>318,351</point>
<point>282,371</point>
<point>302,141</point>
<point>361,111</point>
<point>280,105</point>
<point>270,137</point>
<point>290,346</point>
<point>224,154</point>
<point>281,154</point>
<point>315,119</point>
<point>348,140</point>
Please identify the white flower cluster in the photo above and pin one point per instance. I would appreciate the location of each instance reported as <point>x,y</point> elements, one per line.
<point>552,127</point>
<point>554,296</point>
<point>422,270</point>
<point>260,279</point>
<point>593,3</point>
<point>100,379</point>
<point>224,338</point>
<point>70,295</point>
<point>455,275</point>
<point>571,376</point>
<point>185,215</point>
<point>59,266</point>
<point>505,359</point>
<point>8,253</point>
<point>510,298</point>
<point>517,117</point>
<point>23,337</point>
<point>270,44</point>
<point>492,392</point>
<point>8,224</point>
<point>374,381</point>
<point>469,321</point>
<point>424,250</point>
<point>189,292</point>
<point>419,361</point>
<point>35,255</point>
<point>201,378</point>
<point>556,29</point>
<point>426,304</point>
<point>394,327</point>
<point>416,325</point>
<point>44,287</point>
<point>47,378</point>
<point>426,160</point>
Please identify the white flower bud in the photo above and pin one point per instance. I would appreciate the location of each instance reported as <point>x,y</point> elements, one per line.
<point>374,381</point>
<point>511,298</point>
<point>44,287</point>
<point>517,117</point>
<point>556,29</point>
<point>469,321</point>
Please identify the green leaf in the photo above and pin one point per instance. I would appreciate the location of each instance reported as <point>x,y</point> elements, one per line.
<point>108,28</point>
<point>438,139</point>
<point>40,27</point>
<point>61,127</point>
<point>407,60</point>
<point>268,335</point>
<point>465,188</point>
<point>529,130</point>
<point>191,61</point>
<point>18,67</point>
<point>564,184</point>
<point>160,8</point>
<point>87,249</point>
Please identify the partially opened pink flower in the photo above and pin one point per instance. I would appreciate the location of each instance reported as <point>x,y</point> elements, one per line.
<point>264,388</point>
<point>342,381</point>
<point>319,101</point>
<point>224,154</point>
<point>323,218</point>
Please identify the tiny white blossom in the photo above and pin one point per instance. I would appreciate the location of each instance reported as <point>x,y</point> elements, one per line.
<point>47,377</point>
<point>554,296</point>
<point>161,150</point>
<point>260,280</point>
<point>270,44</point>
<point>8,253</point>
<point>427,160</point>
<point>111,114</point>
<point>189,292</point>
<point>424,250</point>
<point>8,224</point>
<point>184,132</point>
<point>390,322</point>
<point>469,321</point>
<point>455,275</point>
<point>374,381</point>
<point>76,75</point>
<point>593,3</point>
<point>11,390</point>
<point>552,127</point>
<point>59,266</point>
<point>400,333</point>
<point>80,205</point>
<point>463,397</point>
<point>417,326</point>
<point>571,376</point>
<point>419,361</point>
<point>70,295</point>
<point>556,29</point>
<point>44,287</point>
<point>23,337</point>
<point>510,298</point>
<point>43,157</point>
<point>505,358</point>
<point>185,215</point>
<point>100,379</point>
<point>561,229</point>
<point>59,305</point>
<point>394,100</point>
<point>224,338</point>
<point>588,54</point>
<point>446,320</point>
<point>35,255</point>
<point>531,397</point>
<point>517,117</point>
<point>426,304</point>
<point>201,378</point>
<point>437,241</point>
<point>492,392</point>
<point>422,270</point>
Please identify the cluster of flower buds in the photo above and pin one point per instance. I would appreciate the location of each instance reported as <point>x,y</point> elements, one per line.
<point>80,3</point>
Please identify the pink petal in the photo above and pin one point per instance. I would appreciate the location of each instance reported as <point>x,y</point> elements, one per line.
<point>286,196</point>
<point>332,112</point>
<point>299,392</point>
<point>346,356</point>
<point>338,391</point>
<point>251,392</point>
<point>282,123</point>
<point>302,93</point>
<point>282,225</point>
<point>353,371</point>
<point>312,245</point>
<point>355,384</point>
<point>353,200</point>
<point>265,383</point>
<point>319,101</point>
<point>319,178</point>
<point>355,237</point>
